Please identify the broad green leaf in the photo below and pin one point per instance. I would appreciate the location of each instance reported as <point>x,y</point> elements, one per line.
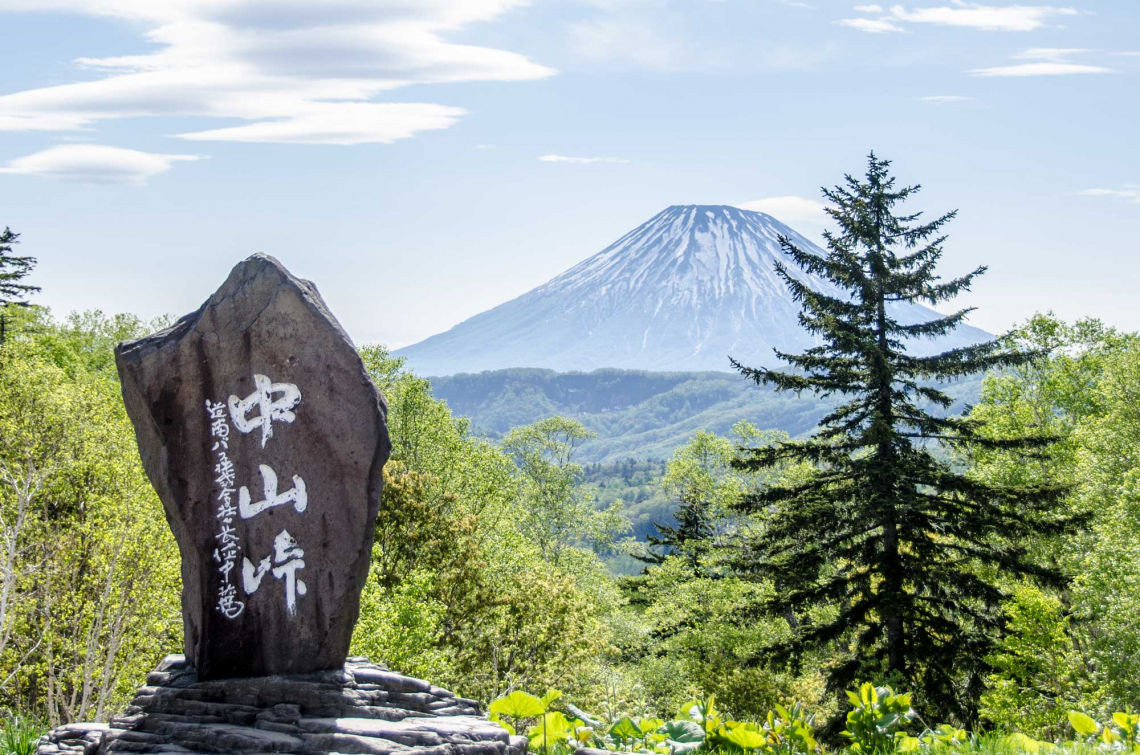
<point>648,725</point>
<point>1082,724</point>
<point>518,704</point>
<point>552,729</point>
<point>549,698</point>
<point>746,739</point>
<point>1026,744</point>
<point>683,732</point>
<point>886,721</point>
<point>625,729</point>
<point>907,744</point>
<point>494,717</point>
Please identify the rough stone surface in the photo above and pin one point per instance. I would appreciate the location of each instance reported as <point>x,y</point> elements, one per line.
<point>272,586</point>
<point>362,708</point>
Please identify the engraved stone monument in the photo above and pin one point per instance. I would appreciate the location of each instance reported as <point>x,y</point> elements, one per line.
<point>265,439</point>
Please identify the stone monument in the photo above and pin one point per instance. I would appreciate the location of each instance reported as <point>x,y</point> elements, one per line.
<point>265,438</point>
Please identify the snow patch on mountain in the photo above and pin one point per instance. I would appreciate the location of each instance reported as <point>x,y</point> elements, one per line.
<point>684,291</point>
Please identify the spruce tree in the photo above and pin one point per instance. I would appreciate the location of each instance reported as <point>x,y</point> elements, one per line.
<point>904,550</point>
<point>691,537</point>
<point>14,269</point>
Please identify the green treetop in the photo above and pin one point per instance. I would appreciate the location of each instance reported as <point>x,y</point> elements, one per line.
<point>903,548</point>
<point>14,269</point>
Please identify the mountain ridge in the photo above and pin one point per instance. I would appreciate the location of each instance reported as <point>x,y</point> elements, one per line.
<point>681,292</point>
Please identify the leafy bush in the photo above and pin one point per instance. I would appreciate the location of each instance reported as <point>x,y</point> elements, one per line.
<point>698,727</point>
<point>876,718</point>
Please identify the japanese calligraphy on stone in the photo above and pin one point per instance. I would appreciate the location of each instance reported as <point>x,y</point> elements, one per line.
<point>270,402</point>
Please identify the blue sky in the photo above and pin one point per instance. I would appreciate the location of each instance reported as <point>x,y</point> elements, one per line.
<point>393,150</point>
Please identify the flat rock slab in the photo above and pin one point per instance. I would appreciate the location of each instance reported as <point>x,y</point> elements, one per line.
<point>363,708</point>
<point>265,438</point>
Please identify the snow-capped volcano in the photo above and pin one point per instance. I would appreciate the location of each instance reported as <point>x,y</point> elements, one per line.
<point>683,291</point>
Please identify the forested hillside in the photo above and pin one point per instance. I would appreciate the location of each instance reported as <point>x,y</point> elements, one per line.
<point>637,414</point>
<point>515,595</point>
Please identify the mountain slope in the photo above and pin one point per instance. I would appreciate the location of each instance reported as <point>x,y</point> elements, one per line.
<point>683,291</point>
<point>637,414</point>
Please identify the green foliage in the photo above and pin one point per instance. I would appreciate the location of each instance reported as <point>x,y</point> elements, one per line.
<point>91,582</point>
<point>518,706</point>
<point>1035,666</point>
<point>682,737</point>
<point>700,727</point>
<point>876,717</point>
<point>20,735</point>
<point>636,414</point>
<point>461,585</point>
<point>558,510</point>
<point>900,545</point>
<point>13,269</point>
<point>1088,637</point>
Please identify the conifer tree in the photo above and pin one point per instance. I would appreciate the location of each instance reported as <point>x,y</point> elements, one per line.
<point>691,537</point>
<point>14,269</point>
<point>902,547</point>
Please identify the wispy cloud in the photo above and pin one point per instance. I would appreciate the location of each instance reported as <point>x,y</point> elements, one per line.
<point>1051,61</point>
<point>1053,54</point>
<point>961,14</point>
<point>1130,193</point>
<point>94,163</point>
<point>946,99</point>
<point>293,71</point>
<point>871,25</point>
<point>1039,69</point>
<point>790,210</point>
<point>580,160</point>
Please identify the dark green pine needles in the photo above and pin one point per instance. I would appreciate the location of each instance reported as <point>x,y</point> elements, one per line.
<point>14,269</point>
<point>904,551</point>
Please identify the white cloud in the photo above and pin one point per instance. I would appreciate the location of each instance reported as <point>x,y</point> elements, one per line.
<point>1130,192</point>
<point>871,25</point>
<point>1039,69</point>
<point>959,13</point>
<point>580,160</point>
<point>295,71</point>
<point>340,123</point>
<point>946,99</point>
<point>790,210</point>
<point>1052,54</point>
<point>1053,61</point>
<point>94,163</point>
<point>984,17</point>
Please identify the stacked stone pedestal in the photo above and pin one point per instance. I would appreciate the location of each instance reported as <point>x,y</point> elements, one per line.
<point>363,709</point>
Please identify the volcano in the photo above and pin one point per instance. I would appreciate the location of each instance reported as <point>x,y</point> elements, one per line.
<point>682,292</point>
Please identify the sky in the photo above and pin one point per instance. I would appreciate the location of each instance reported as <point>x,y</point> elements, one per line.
<point>424,160</point>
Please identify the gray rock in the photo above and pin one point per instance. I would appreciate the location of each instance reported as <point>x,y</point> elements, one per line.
<point>345,715</point>
<point>265,439</point>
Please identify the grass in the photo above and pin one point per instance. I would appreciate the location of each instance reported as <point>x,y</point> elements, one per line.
<point>20,735</point>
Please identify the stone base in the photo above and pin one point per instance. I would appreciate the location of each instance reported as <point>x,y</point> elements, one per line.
<point>363,709</point>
